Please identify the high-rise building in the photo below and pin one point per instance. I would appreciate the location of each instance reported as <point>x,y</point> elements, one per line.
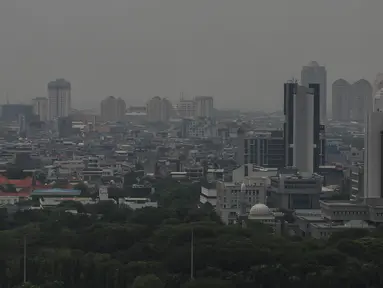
<point>311,134</point>
<point>204,106</point>
<point>185,108</point>
<point>59,99</point>
<point>113,109</point>
<point>303,154</point>
<point>40,108</point>
<point>341,100</point>
<point>263,148</point>
<point>373,163</point>
<point>361,92</point>
<point>319,130</point>
<point>288,126</point>
<point>158,110</point>
<point>316,74</point>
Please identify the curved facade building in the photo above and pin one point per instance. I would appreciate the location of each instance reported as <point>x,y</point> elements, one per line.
<point>361,99</point>
<point>341,100</point>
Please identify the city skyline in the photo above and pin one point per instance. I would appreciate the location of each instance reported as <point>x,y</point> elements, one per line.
<point>139,49</point>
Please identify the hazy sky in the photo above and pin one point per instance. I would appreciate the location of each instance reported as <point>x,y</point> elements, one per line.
<point>239,51</point>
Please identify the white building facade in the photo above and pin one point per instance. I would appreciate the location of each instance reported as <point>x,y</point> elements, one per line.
<point>313,73</point>
<point>374,137</point>
<point>40,107</point>
<point>341,100</point>
<point>303,153</point>
<point>204,106</point>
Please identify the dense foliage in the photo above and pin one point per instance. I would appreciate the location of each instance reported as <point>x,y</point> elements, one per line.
<point>112,247</point>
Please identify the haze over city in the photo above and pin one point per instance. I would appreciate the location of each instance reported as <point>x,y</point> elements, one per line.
<point>237,51</point>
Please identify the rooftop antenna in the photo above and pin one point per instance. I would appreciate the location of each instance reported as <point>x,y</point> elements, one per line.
<point>182,96</point>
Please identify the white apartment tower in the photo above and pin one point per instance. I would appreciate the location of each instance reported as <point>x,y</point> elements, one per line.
<point>313,73</point>
<point>362,92</point>
<point>204,106</point>
<point>159,110</point>
<point>303,152</point>
<point>113,109</point>
<point>59,99</point>
<point>40,107</point>
<point>341,100</point>
<point>373,163</point>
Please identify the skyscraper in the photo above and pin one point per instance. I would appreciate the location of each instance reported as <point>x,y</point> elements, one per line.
<point>361,92</point>
<point>373,163</point>
<point>319,132</point>
<point>40,107</point>
<point>304,108</point>
<point>159,110</point>
<point>341,100</point>
<point>303,154</point>
<point>288,126</point>
<point>315,74</point>
<point>204,106</point>
<point>113,109</point>
<point>59,99</point>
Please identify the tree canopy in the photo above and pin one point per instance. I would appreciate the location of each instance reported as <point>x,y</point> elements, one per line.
<point>108,246</point>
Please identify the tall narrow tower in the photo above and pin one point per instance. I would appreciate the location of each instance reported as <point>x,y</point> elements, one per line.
<point>313,73</point>
<point>304,130</point>
<point>373,164</point>
<point>59,99</point>
<point>288,126</point>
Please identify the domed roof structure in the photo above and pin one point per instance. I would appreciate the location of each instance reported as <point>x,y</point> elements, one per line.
<point>260,210</point>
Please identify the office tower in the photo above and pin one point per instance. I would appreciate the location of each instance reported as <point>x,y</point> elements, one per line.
<point>373,164</point>
<point>113,109</point>
<point>158,110</point>
<point>318,129</point>
<point>204,106</point>
<point>317,138</point>
<point>288,126</point>
<point>40,108</point>
<point>263,148</point>
<point>315,74</point>
<point>303,154</point>
<point>59,99</point>
<point>341,100</point>
<point>361,92</point>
